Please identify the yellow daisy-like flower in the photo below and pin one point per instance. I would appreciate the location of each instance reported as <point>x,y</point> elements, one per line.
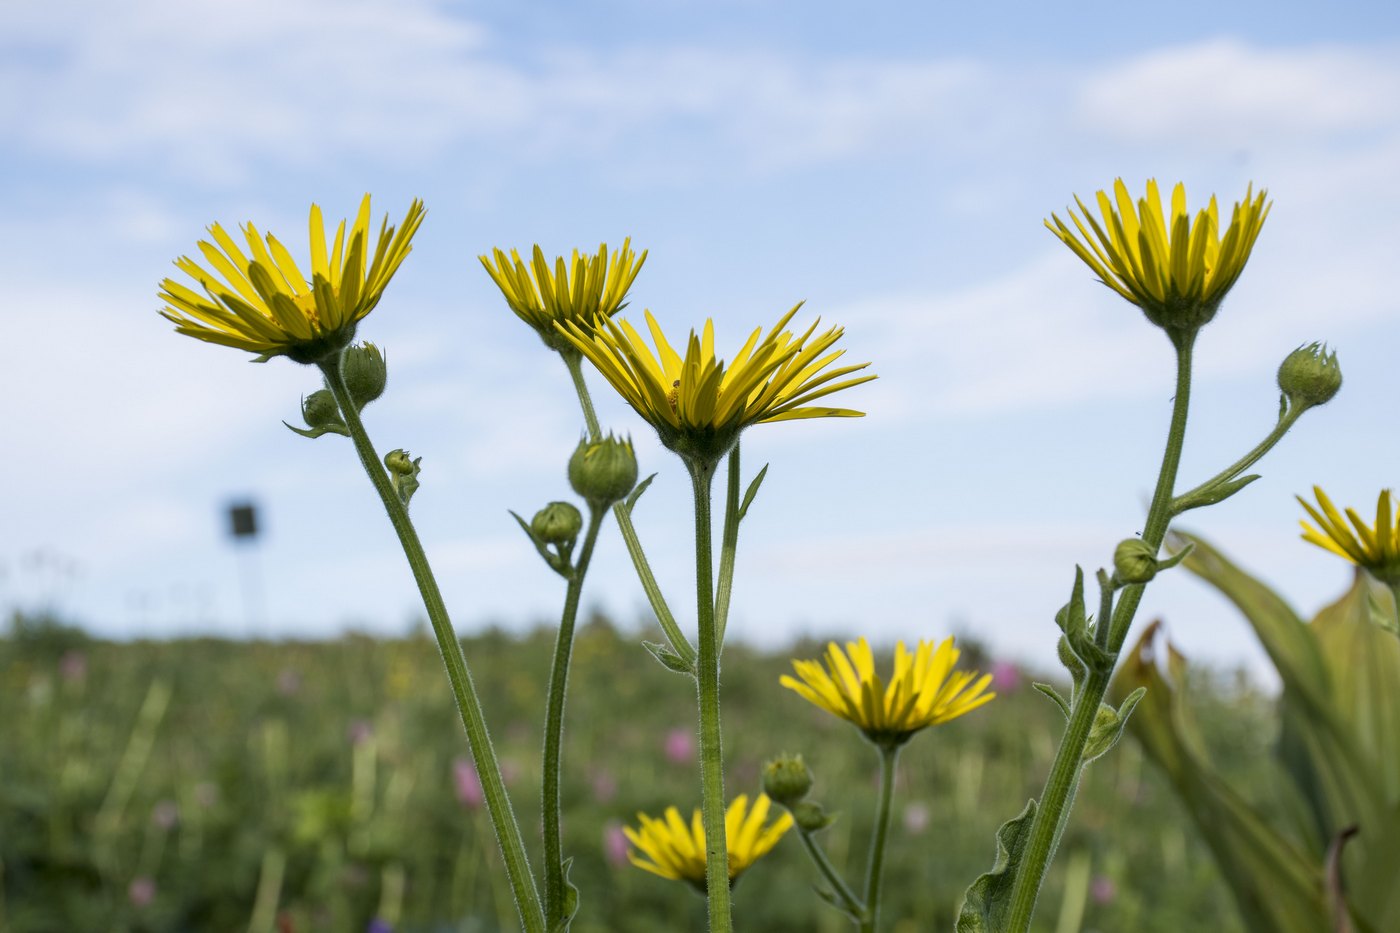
<point>1176,269</point>
<point>672,849</point>
<point>697,404</point>
<point>924,691</point>
<point>581,291</point>
<point>265,305</point>
<point>1374,547</point>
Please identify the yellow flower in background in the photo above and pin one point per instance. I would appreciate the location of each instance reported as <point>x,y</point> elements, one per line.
<point>924,690</point>
<point>265,305</point>
<point>672,849</point>
<point>1176,269</point>
<point>1374,547</point>
<point>586,288</point>
<point>696,402</point>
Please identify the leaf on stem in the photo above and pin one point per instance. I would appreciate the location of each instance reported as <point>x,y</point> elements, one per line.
<point>668,658</point>
<point>988,900</point>
<point>751,492</point>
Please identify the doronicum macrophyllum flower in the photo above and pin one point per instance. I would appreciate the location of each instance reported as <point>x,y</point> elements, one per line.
<point>671,849</point>
<point>696,402</point>
<point>1176,269</point>
<point>581,291</point>
<point>1373,547</point>
<point>266,305</point>
<point>924,690</point>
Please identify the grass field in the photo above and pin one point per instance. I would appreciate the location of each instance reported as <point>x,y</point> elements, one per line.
<point>295,786</point>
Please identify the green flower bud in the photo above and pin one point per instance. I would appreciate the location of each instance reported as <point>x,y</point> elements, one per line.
<point>362,366</point>
<point>786,779</point>
<point>399,462</point>
<point>603,471</point>
<point>1310,376</point>
<point>557,523</point>
<point>810,816</point>
<point>320,410</point>
<point>1134,561</point>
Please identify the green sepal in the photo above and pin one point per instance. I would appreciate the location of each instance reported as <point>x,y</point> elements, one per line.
<point>559,563</point>
<point>668,658</point>
<point>1071,618</point>
<point>637,493</point>
<point>988,900</point>
<point>1176,557</point>
<point>1079,636</point>
<point>1070,660</point>
<point>1054,695</point>
<point>569,908</point>
<point>751,492</point>
<point>314,433</point>
<point>1211,495</point>
<point>1108,725</point>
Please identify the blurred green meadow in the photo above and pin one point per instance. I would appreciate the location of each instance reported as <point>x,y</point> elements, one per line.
<point>207,784</point>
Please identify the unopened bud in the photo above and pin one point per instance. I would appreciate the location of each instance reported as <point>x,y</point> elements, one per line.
<point>603,471</point>
<point>1310,375</point>
<point>557,523</point>
<point>399,462</point>
<point>1134,561</point>
<point>320,410</point>
<point>810,816</point>
<point>365,373</point>
<point>786,779</point>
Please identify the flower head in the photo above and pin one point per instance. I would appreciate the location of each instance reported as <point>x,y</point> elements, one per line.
<point>1176,269</point>
<point>696,402</point>
<point>265,305</point>
<point>924,690</point>
<point>1374,547</point>
<point>580,292</point>
<point>672,849</point>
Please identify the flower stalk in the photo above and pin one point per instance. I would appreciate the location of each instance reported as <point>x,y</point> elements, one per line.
<point>555,884</point>
<point>493,786</point>
<point>889,760</point>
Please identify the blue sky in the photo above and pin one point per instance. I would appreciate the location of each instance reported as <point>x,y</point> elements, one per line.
<point>891,164</point>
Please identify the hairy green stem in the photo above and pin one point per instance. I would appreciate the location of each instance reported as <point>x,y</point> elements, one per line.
<point>522,882</point>
<point>707,686</point>
<point>679,643</point>
<point>1232,471</point>
<point>554,882</point>
<point>889,758</point>
<point>829,872</point>
<point>1052,812</point>
<point>728,545</point>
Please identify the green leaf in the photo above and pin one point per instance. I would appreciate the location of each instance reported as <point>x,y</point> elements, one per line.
<point>569,907</point>
<point>637,493</point>
<point>1054,694</point>
<point>668,658</point>
<point>1212,495</point>
<point>314,433</point>
<point>752,491</point>
<point>987,901</point>
<point>1108,725</point>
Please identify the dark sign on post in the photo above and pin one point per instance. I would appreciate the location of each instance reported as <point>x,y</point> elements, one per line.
<point>243,520</point>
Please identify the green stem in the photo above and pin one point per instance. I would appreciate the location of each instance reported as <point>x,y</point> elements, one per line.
<point>829,872</point>
<point>679,643</point>
<point>707,685</point>
<point>728,545</point>
<point>554,731</point>
<point>493,787</point>
<point>1248,460</point>
<point>1052,811</point>
<point>889,758</point>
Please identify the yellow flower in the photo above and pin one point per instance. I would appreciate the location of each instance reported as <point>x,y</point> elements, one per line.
<point>1376,548</point>
<point>1176,270</point>
<point>265,305</point>
<point>580,292</point>
<point>697,404</point>
<point>924,691</point>
<point>671,849</point>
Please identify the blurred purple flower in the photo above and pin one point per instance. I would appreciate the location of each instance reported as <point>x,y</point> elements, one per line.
<point>360,731</point>
<point>680,746</point>
<point>614,844</point>
<point>1102,889</point>
<point>916,818</point>
<point>1006,677</point>
<point>378,925</point>
<point>72,667</point>
<point>165,814</point>
<point>467,784</point>
<point>288,682</point>
<point>141,891</point>
<point>604,786</point>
